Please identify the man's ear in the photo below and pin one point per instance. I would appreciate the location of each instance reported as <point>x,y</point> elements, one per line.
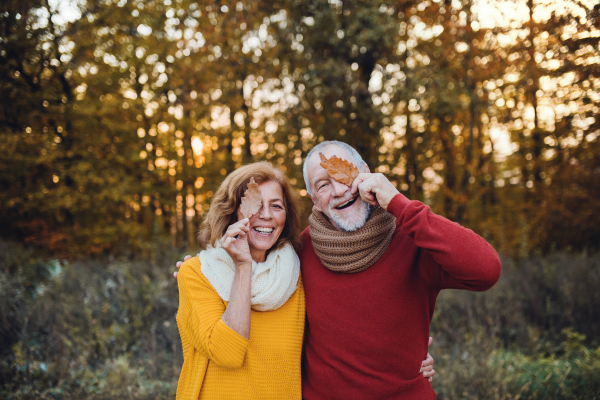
<point>368,171</point>
<point>315,203</point>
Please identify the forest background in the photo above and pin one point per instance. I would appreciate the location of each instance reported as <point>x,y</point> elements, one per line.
<point>119,119</point>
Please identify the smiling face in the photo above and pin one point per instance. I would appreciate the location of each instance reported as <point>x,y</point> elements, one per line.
<point>346,211</point>
<point>268,223</point>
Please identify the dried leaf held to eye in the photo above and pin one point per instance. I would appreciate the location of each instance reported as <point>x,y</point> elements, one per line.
<point>252,200</point>
<point>339,169</point>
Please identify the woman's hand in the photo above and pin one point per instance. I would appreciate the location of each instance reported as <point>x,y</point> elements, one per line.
<point>237,248</point>
<point>427,365</point>
<point>235,243</point>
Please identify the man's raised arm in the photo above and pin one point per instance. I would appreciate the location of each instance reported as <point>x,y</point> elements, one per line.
<point>455,257</point>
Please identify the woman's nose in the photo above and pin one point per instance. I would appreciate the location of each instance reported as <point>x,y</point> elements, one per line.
<point>264,212</point>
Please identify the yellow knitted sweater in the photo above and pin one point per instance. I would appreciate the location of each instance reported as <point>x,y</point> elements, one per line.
<point>221,364</point>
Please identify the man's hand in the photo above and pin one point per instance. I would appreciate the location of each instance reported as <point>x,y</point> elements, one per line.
<point>375,189</point>
<point>181,262</point>
<point>427,365</point>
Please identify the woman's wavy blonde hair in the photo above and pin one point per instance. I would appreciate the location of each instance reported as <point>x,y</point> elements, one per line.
<point>227,199</point>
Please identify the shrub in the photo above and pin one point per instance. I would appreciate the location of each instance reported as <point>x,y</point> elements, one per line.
<point>89,329</point>
<point>105,329</point>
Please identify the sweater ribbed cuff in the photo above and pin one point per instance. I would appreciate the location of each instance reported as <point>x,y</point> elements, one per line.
<point>232,346</point>
<point>397,205</point>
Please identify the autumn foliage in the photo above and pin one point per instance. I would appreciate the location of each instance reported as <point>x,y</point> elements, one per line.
<point>118,120</point>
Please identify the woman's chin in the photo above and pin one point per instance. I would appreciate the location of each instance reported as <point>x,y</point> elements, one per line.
<point>262,242</point>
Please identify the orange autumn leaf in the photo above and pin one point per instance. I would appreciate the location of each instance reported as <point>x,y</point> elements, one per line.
<point>339,169</point>
<point>252,200</point>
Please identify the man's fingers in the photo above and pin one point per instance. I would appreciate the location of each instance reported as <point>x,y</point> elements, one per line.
<point>430,341</point>
<point>357,181</point>
<point>366,193</point>
<point>175,274</point>
<point>365,184</point>
<point>187,257</point>
<point>178,264</point>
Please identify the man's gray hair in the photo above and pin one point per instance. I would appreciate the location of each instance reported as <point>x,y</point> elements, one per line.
<point>354,157</point>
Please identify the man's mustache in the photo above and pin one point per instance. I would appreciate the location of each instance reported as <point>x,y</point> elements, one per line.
<point>335,203</point>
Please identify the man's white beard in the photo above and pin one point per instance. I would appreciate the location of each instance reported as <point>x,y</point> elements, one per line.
<point>352,221</point>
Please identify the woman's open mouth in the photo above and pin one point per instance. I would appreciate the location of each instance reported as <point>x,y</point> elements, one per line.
<point>346,204</point>
<point>263,230</point>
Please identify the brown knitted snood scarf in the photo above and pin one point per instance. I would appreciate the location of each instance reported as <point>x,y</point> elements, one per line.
<point>351,252</point>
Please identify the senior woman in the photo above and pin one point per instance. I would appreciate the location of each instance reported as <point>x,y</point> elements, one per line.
<point>241,302</point>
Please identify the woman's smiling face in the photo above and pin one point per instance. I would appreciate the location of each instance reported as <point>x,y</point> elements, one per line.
<point>268,223</point>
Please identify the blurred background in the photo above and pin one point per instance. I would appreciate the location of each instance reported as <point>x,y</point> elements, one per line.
<point>120,118</point>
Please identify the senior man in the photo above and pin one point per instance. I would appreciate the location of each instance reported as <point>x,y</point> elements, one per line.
<point>373,264</point>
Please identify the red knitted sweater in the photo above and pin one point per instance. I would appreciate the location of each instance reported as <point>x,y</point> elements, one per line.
<point>367,332</point>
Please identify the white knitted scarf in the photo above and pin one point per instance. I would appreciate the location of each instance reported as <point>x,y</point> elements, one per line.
<point>273,281</point>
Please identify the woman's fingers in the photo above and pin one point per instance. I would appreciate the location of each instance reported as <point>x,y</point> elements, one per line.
<point>429,375</point>
<point>428,361</point>
<point>238,229</point>
<point>242,222</point>
<point>427,367</point>
<point>227,242</point>
<point>234,234</point>
<point>427,364</point>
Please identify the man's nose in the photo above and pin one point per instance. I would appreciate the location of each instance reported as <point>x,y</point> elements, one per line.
<point>339,189</point>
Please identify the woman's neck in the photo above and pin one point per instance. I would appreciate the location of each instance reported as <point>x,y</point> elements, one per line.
<point>258,255</point>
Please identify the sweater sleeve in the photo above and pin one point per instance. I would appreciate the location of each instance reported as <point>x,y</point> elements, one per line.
<point>453,257</point>
<point>199,318</point>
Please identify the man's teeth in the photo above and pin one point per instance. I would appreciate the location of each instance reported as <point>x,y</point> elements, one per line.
<point>264,230</point>
<point>343,204</point>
